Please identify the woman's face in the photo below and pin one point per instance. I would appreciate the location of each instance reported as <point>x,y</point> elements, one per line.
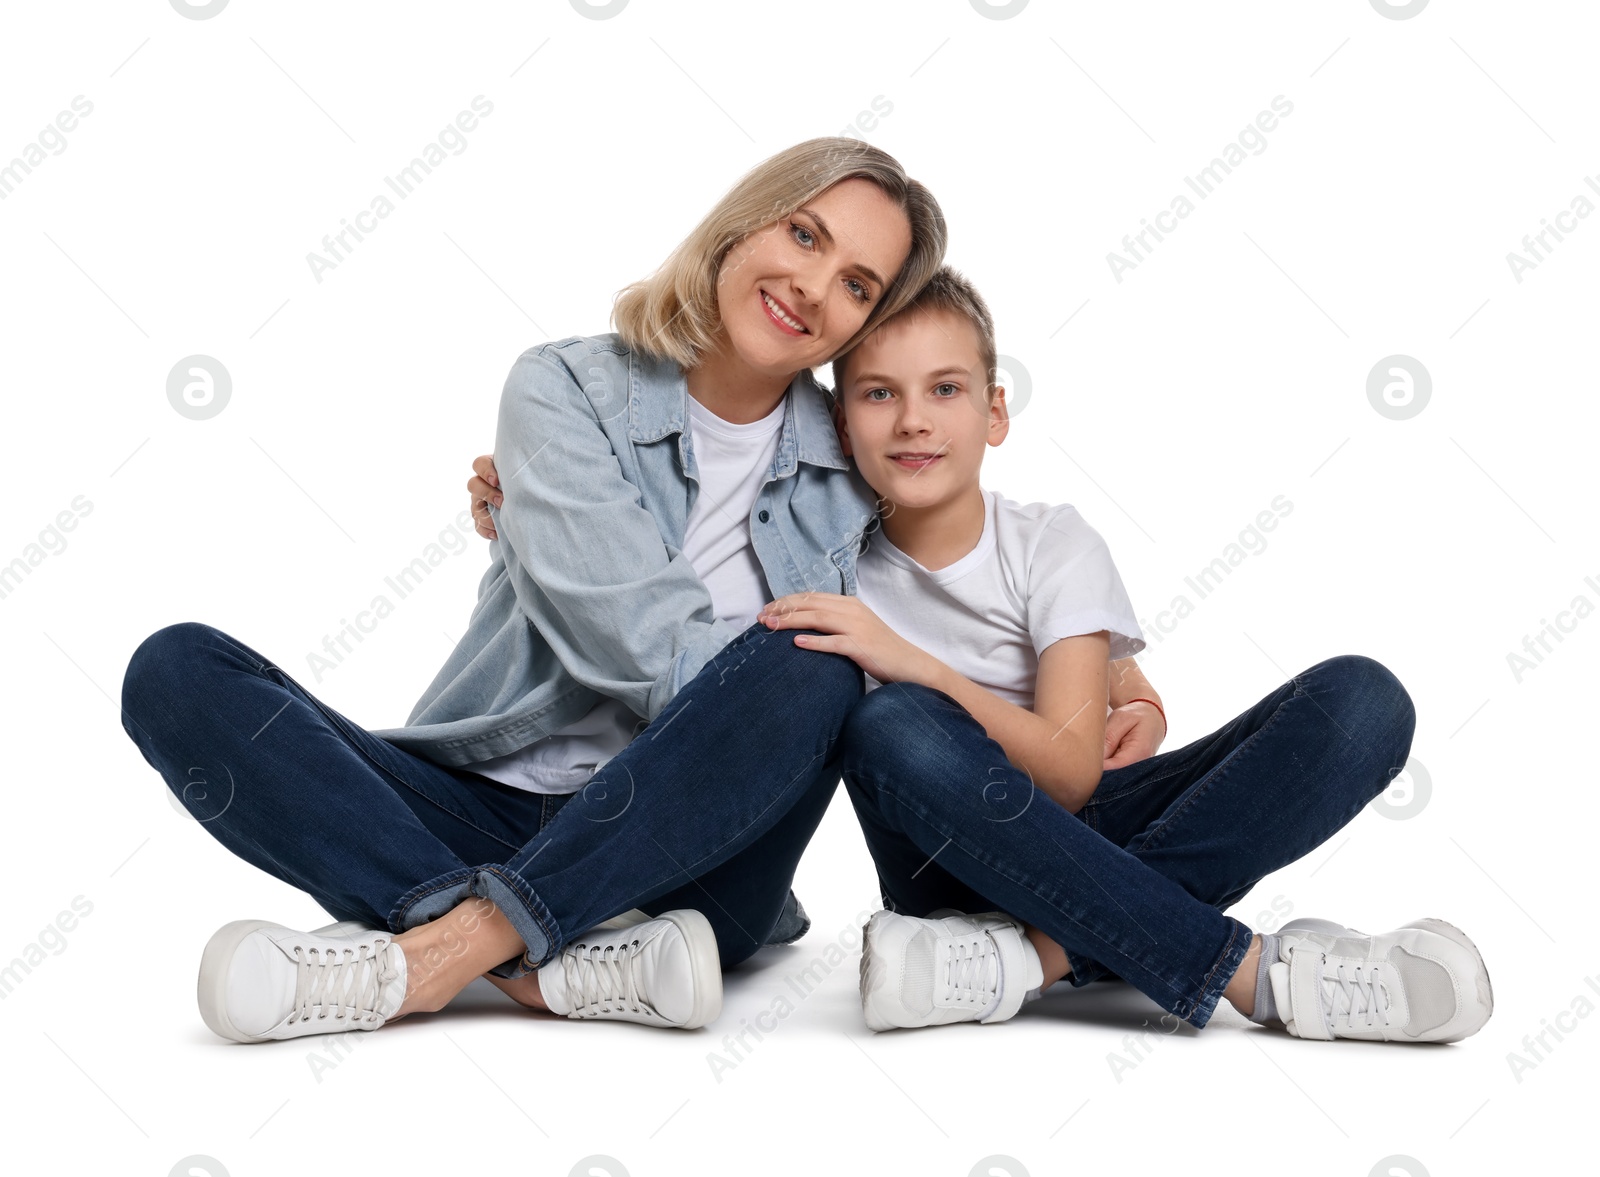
<point>792,293</point>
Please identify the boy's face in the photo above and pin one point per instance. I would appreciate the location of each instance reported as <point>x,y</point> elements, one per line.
<point>915,411</point>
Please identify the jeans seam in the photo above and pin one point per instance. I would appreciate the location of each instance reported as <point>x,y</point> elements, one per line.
<point>338,724</point>
<point>1175,769</point>
<point>1153,837</point>
<point>689,870</point>
<point>262,668</point>
<point>247,655</point>
<point>999,868</point>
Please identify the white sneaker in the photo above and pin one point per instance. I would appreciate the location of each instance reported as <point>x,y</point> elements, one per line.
<point>662,971</point>
<point>932,972</point>
<point>260,981</point>
<point>1424,982</point>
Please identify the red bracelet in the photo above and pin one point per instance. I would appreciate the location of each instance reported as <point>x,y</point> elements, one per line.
<point>1152,703</point>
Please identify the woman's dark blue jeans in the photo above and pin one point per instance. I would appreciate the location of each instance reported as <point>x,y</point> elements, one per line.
<point>711,813</point>
<point>1135,884</point>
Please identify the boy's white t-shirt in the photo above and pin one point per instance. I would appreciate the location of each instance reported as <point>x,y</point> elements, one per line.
<point>731,464</point>
<point>1040,573</point>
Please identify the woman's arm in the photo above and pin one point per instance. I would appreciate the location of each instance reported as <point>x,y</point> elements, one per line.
<point>585,559</point>
<point>1059,744</point>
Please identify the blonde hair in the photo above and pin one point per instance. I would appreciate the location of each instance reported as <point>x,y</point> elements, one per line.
<point>947,290</point>
<point>674,312</point>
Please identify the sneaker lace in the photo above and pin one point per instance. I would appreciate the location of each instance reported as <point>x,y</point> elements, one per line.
<point>972,970</point>
<point>350,981</point>
<point>1357,995</point>
<point>603,978</point>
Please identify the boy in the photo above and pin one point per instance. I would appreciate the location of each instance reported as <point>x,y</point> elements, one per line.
<point>986,628</point>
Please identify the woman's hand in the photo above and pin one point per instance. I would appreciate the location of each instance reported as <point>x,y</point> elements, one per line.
<point>484,487</point>
<point>851,629</point>
<point>1133,732</point>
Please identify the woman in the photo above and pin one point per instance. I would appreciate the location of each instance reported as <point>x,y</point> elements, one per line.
<point>480,837</point>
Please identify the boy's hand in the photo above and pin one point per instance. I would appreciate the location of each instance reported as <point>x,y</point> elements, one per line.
<point>1133,733</point>
<point>853,630</point>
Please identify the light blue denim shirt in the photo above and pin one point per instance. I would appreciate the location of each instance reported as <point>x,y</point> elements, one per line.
<point>588,592</point>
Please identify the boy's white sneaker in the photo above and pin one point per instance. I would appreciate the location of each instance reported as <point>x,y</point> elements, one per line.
<point>662,971</point>
<point>260,981</point>
<point>932,972</point>
<point>1424,982</point>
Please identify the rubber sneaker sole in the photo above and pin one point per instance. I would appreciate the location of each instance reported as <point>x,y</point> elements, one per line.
<point>705,965</point>
<point>1451,932</point>
<point>870,982</point>
<point>212,986</point>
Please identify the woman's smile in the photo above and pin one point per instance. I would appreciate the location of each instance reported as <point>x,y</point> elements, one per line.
<point>787,321</point>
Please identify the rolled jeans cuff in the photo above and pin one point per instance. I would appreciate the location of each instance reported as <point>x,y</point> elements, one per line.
<point>1227,963</point>
<point>508,892</point>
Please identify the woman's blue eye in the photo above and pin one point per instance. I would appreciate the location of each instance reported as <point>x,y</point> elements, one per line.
<point>858,290</point>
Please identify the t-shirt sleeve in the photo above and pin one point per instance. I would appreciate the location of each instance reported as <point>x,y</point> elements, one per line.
<point>1074,587</point>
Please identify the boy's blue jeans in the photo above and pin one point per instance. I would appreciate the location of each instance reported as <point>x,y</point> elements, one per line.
<point>710,813</point>
<point>1135,884</point>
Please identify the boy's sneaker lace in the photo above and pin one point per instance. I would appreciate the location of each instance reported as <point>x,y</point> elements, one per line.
<point>932,972</point>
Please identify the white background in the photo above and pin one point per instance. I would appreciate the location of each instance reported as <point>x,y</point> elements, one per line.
<point>1228,368</point>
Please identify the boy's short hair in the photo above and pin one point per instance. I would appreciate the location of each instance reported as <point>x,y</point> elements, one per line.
<point>948,290</point>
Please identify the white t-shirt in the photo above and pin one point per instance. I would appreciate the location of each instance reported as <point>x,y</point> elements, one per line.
<point>731,465</point>
<point>1039,574</point>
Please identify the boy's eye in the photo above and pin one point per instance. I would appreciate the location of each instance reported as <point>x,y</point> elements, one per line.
<point>954,391</point>
<point>872,393</point>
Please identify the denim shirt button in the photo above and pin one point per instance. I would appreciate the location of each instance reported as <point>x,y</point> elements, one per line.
<point>764,516</point>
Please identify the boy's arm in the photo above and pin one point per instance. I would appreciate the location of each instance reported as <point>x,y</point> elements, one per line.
<point>1139,735</point>
<point>1128,682</point>
<point>1060,744</point>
